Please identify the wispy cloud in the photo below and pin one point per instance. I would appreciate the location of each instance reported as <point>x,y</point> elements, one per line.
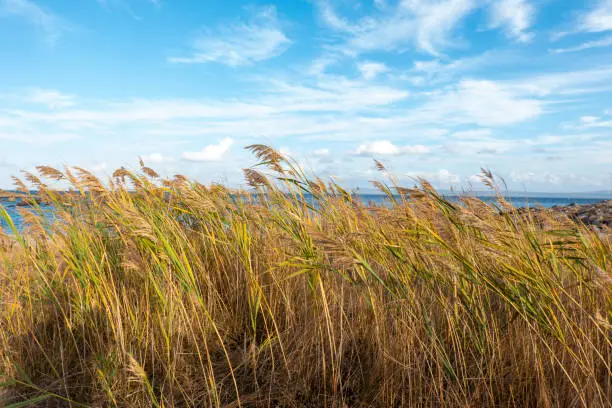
<point>588,81</point>
<point>473,134</point>
<point>240,43</point>
<point>592,122</point>
<point>425,25</point>
<point>440,177</point>
<point>386,148</point>
<point>515,16</point>
<point>329,107</point>
<point>51,98</point>
<point>486,146</point>
<point>482,102</point>
<point>604,42</point>
<point>156,158</point>
<point>124,2</point>
<point>598,19</point>
<point>323,152</point>
<point>49,23</point>
<point>98,167</point>
<point>521,176</point>
<point>214,152</point>
<point>370,70</point>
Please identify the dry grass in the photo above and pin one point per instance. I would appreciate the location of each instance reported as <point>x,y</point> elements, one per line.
<point>168,293</point>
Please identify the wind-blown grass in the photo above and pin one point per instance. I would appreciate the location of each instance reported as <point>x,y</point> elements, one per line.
<point>150,292</point>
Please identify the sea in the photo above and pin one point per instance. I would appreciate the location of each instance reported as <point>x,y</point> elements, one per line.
<point>378,199</point>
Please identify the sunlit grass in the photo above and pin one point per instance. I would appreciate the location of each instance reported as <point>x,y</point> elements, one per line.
<point>151,292</point>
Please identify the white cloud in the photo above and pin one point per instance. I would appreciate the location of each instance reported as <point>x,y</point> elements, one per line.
<point>433,72</point>
<point>438,71</point>
<point>51,98</point>
<point>473,134</point>
<point>480,147</point>
<point>546,140</point>
<point>98,167</point>
<point>520,176</point>
<point>589,119</point>
<point>485,103</point>
<point>126,4</point>
<point>332,19</point>
<point>333,93</point>
<point>386,148</point>
<point>370,70</point>
<point>437,20</point>
<point>50,24</point>
<point>596,123</point>
<point>325,108</point>
<point>433,133</point>
<point>589,122</point>
<point>156,158</point>
<point>441,176</point>
<point>598,19</point>
<point>476,179</point>
<point>213,152</point>
<point>327,95</point>
<point>601,43</point>
<point>321,152</point>
<point>515,16</point>
<point>564,83</point>
<point>285,151</point>
<point>242,43</point>
<point>424,24</point>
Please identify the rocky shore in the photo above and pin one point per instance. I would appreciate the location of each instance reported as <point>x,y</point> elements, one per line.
<point>598,215</point>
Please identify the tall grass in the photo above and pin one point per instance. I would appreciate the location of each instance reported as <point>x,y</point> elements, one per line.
<point>150,292</point>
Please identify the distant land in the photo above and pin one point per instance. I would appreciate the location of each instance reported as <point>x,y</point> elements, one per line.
<point>601,194</point>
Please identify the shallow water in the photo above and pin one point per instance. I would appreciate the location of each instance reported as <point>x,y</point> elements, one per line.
<point>519,201</point>
<point>378,199</point>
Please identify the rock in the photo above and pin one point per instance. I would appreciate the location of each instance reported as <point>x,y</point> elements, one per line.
<point>598,215</point>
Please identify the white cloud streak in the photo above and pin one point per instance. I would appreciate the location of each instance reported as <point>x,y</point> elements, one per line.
<point>425,25</point>
<point>370,70</point>
<point>240,43</point>
<point>156,158</point>
<point>328,108</point>
<point>598,19</point>
<point>485,103</point>
<point>441,177</point>
<point>214,152</point>
<point>386,148</point>
<point>51,98</point>
<point>49,23</point>
<point>601,43</point>
<point>515,16</point>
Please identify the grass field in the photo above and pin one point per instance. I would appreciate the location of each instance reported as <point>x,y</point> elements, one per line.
<point>149,292</point>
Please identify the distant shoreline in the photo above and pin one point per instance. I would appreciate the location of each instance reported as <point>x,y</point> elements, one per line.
<point>598,215</point>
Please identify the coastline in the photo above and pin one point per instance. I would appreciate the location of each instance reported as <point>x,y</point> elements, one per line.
<point>597,215</point>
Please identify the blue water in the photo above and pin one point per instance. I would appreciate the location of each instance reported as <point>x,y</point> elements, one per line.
<point>519,201</point>
<point>11,209</point>
<point>381,200</point>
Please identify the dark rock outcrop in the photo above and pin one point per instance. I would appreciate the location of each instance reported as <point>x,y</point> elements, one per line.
<point>598,214</point>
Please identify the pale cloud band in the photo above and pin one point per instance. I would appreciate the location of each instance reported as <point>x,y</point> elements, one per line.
<point>240,43</point>
<point>214,152</point>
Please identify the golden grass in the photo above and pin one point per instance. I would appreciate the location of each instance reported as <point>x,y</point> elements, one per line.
<point>167,293</point>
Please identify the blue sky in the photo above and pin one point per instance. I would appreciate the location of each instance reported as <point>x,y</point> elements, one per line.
<point>433,88</point>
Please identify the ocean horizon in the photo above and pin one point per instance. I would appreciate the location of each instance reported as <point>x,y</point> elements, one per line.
<point>517,200</point>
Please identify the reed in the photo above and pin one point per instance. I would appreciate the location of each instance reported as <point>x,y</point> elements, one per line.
<point>164,292</point>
